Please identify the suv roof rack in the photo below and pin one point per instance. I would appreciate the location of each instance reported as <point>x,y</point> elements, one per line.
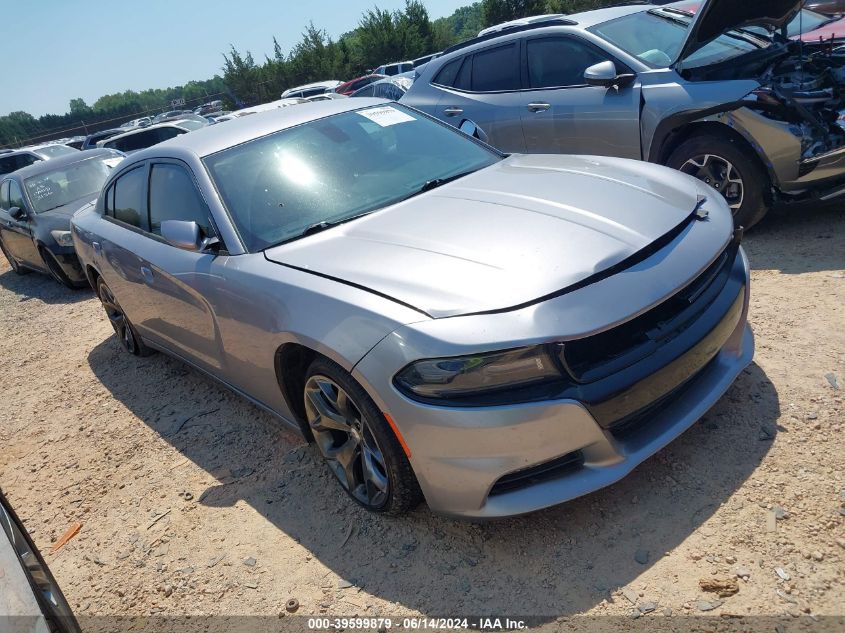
<point>551,20</point>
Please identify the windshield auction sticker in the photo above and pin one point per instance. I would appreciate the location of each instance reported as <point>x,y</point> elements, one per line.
<point>386,116</point>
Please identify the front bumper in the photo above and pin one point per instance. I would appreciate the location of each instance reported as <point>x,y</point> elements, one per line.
<point>466,459</point>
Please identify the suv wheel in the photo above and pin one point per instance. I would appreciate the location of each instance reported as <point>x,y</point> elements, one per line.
<point>358,445</point>
<point>731,169</point>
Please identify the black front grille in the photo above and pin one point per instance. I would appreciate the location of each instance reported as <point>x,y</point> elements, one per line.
<point>601,355</point>
<point>538,474</point>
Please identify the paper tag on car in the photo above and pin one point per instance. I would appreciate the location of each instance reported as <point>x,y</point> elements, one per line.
<point>386,116</point>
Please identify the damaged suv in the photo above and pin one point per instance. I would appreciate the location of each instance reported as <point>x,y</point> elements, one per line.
<point>720,93</point>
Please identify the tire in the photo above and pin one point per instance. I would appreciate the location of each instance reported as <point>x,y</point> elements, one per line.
<point>356,441</point>
<point>56,271</point>
<point>729,167</point>
<point>126,334</point>
<point>17,268</point>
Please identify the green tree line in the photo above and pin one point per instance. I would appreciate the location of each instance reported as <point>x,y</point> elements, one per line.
<point>380,37</point>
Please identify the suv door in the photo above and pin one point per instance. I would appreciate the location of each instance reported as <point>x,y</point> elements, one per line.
<point>485,87</point>
<point>562,114</point>
<point>17,234</point>
<point>176,315</point>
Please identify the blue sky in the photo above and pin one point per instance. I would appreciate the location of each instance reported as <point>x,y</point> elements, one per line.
<point>62,49</point>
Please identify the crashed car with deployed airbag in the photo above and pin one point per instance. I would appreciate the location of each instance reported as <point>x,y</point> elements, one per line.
<point>716,89</point>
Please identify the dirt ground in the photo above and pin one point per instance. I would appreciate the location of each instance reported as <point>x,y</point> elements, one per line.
<point>192,501</point>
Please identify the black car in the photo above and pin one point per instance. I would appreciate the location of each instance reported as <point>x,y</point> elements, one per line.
<point>90,141</point>
<point>36,204</point>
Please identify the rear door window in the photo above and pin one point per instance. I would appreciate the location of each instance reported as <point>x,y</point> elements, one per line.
<point>4,195</point>
<point>129,197</point>
<point>496,69</point>
<point>449,73</point>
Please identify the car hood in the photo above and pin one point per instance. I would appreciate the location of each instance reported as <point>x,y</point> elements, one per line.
<point>715,17</point>
<point>522,229</point>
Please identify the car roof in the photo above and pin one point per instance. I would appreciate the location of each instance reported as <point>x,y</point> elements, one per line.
<point>215,138</point>
<point>137,130</point>
<point>60,161</point>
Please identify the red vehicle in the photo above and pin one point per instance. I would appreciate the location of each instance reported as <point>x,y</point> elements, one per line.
<point>352,85</point>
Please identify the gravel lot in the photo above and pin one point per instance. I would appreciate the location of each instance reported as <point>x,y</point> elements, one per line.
<point>192,501</point>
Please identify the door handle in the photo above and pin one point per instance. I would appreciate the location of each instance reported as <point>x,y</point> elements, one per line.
<point>147,274</point>
<point>98,250</point>
<point>453,111</point>
<point>539,107</point>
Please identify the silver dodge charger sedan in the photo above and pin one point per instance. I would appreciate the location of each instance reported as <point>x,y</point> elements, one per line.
<point>493,334</point>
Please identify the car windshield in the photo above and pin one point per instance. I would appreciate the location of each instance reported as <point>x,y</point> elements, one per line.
<point>337,168</point>
<point>51,151</point>
<point>59,187</point>
<point>656,37</point>
<point>807,21</point>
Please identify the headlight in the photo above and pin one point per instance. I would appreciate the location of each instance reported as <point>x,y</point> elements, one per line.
<point>63,238</point>
<point>478,374</point>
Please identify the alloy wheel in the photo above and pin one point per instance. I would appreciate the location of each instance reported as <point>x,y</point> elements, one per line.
<point>55,269</point>
<point>346,440</point>
<point>720,174</point>
<point>118,320</point>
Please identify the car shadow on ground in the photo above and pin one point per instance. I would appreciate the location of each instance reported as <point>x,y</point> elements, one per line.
<point>818,228</point>
<point>594,539</point>
<point>38,286</point>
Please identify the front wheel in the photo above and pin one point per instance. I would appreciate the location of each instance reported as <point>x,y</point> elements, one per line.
<point>731,169</point>
<point>56,270</point>
<point>129,339</point>
<point>358,445</point>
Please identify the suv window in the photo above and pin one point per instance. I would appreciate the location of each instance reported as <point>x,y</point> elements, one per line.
<point>167,133</point>
<point>15,195</point>
<point>559,61</point>
<point>496,69</point>
<point>129,197</point>
<point>173,196</point>
<point>448,74</point>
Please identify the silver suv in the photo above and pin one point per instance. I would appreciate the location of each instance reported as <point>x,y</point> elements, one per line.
<point>711,88</point>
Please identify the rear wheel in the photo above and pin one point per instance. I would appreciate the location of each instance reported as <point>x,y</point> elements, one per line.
<point>731,169</point>
<point>129,339</point>
<point>17,268</point>
<point>358,445</point>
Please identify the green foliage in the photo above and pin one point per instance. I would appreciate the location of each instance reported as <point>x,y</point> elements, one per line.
<point>380,37</point>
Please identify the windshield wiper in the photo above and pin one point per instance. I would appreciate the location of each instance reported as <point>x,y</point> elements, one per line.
<point>319,227</point>
<point>428,185</point>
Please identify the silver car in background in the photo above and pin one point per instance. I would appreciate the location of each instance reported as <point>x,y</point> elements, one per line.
<point>493,334</point>
<point>717,92</point>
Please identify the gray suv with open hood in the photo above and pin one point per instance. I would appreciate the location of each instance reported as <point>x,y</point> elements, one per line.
<point>714,89</point>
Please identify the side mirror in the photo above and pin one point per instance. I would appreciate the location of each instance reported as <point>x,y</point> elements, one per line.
<point>471,129</point>
<point>17,213</point>
<point>182,234</point>
<point>601,74</point>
